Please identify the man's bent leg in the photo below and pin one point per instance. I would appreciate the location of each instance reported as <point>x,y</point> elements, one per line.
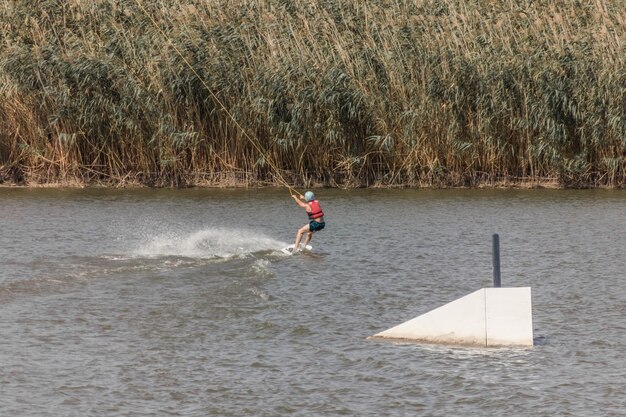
<point>308,238</point>
<point>301,231</point>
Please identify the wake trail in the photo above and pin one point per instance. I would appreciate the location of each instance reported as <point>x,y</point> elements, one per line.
<point>207,244</point>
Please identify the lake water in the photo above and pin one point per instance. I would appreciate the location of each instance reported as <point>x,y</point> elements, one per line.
<point>179,303</point>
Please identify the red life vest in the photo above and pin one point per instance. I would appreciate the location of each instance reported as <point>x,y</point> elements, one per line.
<point>316,210</point>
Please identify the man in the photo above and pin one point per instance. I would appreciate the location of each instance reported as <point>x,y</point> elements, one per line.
<point>316,218</point>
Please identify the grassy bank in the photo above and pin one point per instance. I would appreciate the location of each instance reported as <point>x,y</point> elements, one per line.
<point>417,93</point>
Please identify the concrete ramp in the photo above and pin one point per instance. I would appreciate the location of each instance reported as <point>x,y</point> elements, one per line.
<point>488,317</point>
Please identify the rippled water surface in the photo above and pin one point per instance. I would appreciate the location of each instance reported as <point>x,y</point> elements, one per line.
<point>179,303</point>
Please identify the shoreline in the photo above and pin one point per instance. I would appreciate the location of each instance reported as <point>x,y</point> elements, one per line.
<point>525,184</point>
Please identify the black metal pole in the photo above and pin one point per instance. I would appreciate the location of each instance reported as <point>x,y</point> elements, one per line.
<point>496,261</point>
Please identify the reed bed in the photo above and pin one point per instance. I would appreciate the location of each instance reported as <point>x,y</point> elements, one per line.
<point>337,93</point>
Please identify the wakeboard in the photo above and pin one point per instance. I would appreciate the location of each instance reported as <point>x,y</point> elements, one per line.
<point>289,249</point>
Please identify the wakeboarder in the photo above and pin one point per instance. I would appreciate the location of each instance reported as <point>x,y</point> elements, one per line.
<point>316,218</point>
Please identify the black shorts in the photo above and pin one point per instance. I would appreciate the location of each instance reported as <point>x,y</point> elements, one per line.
<point>315,226</point>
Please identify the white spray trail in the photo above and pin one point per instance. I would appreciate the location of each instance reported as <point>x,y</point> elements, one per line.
<point>209,243</point>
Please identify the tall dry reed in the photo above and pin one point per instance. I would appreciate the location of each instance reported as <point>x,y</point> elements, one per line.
<point>430,92</point>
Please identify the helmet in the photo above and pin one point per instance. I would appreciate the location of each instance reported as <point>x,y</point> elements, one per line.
<point>308,196</point>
